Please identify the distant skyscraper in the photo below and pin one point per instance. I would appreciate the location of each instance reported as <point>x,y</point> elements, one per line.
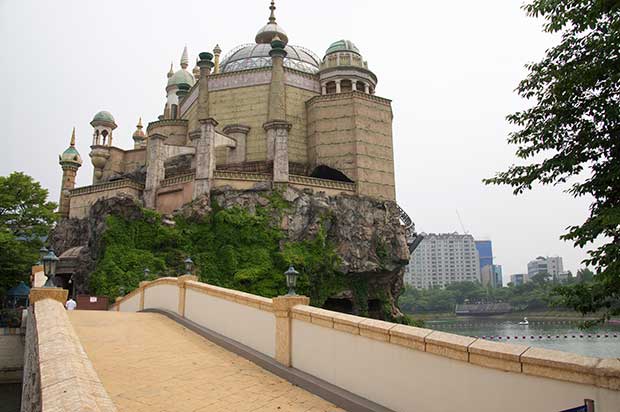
<point>485,251</point>
<point>497,272</point>
<point>441,259</point>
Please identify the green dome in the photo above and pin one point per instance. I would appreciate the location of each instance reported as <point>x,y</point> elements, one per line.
<point>104,116</point>
<point>71,155</point>
<point>181,76</point>
<point>342,46</point>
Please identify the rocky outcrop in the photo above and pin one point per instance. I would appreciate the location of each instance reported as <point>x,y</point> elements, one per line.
<point>367,233</point>
<point>87,232</point>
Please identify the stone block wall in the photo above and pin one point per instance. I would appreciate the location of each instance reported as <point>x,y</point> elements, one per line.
<point>352,132</point>
<point>84,197</point>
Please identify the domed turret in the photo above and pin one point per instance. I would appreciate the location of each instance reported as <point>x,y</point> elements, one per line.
<point>103,117</point>
<point>271,29</point>
<point>344,70</point>
<point>139,137</point>
<point>71,157</point>
<point>103,123</point>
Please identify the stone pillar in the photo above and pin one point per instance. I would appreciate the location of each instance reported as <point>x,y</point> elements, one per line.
<point>366,88</point>
<point>240,134</point>
<point>142,286</point>
<point>155,171</point>
<point>181,284</point>
<point>57,294</point>
<point>277,137</point>
<point>205,157</point>
<point>277,92</point>
<point>282,306</point>
<point>353,85</point>
<point>337,86</point>
<point>323,89</point>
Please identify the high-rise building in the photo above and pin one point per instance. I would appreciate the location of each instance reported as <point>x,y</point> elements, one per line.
<point>518,278</point>
<point>552,265</point>
<point>441,259</point>
<point>485,251</point>
<point>497,272</point>
<point>491,276</point>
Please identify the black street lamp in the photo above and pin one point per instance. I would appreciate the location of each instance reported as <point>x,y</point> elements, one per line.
<point>189,265</point>
<point>291,280</point>
<point>49,268</point>
<point>147,272</point>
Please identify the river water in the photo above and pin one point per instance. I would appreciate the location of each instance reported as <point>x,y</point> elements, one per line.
<point>601,341</point>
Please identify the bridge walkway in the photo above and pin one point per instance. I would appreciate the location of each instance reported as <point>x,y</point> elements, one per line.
<point>148,362</point>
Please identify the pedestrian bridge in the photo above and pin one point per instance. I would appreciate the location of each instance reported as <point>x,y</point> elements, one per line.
<point>176,344</point>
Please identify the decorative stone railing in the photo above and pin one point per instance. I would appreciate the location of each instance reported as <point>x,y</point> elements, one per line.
<point>178,179</point>
<point>324,183</point>
<point>348,95</point>
<point>58,376</point>
<point>398,367</point>
<point>234,175</point>
<point>102,187</point>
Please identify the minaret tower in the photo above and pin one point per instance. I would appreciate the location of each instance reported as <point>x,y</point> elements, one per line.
<point>139,137</point>
<point>70,161</point>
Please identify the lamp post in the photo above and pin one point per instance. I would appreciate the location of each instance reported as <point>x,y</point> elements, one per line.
<point>189,265</point>
<point>291,280</point>
<point>42,252</point>
<point>147,272</point>
<point>49,268</point>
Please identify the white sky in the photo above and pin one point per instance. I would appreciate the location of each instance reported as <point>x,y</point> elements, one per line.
<point>450,68</point>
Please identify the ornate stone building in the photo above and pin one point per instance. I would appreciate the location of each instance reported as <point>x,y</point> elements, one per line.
<point>267,112</point>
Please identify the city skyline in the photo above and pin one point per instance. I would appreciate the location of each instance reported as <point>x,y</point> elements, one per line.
<point>450,96</point>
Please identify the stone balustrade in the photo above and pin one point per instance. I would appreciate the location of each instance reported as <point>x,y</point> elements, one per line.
<point>400,367</point>
<point>58,376</point>
<point>102,187</point>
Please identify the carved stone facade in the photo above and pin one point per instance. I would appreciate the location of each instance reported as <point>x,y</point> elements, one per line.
<point>268,108</point>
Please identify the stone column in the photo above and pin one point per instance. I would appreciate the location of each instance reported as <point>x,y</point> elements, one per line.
<point>155,170</point>
<point>240,134</point>
<point>353,85</point>
<point>323,89</point>
<point>366,88</point>
<point>205,157</point>
<point>277,136</point>
<point>337,86</point>
<point>181,284</point>
<point>282,306</point>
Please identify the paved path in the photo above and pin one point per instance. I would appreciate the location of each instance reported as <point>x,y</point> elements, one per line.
<point>147,362</point>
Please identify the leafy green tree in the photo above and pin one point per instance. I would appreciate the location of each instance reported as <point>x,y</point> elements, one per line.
<point>25,216</point>
<point>585,275</point>
<point>572,133</point>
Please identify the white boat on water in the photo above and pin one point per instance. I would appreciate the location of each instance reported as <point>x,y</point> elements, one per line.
<point>524,322</point>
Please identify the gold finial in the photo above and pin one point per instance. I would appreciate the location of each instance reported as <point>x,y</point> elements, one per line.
<point>139,126</point>
<point>170,72</point>
<point>272,17</point>
<point>73,137</point>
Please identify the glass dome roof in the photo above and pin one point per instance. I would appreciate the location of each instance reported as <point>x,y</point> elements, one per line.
<point>253,56</point>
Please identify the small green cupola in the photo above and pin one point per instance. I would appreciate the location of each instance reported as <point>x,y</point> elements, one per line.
<point>71,157</point>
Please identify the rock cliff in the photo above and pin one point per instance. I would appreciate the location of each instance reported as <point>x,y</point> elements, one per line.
<point>366,233</point>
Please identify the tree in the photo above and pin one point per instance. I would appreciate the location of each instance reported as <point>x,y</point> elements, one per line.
<point>25,217</point>
<point>24,209</point>
<point>572,133</point>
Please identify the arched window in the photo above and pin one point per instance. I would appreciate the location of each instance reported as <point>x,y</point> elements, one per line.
<point>329,173</point>
<point>361,86</point>
<point>105,136</point>
<point>331,88</point>
<point>173,111</point>
<point>346,86</point>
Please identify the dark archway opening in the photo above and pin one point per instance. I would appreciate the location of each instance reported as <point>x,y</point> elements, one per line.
<point>375,309</point>
<point>326,172</point>
<point>339,305</point>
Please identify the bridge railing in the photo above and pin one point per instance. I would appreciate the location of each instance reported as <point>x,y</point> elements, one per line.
<point>400,367</point>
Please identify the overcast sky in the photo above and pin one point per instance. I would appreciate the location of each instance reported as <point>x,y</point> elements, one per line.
<point>450,68</point>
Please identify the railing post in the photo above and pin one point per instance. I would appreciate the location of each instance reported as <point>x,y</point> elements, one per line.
<point>118,303</point>
<point>181,284</point>
<point>282,306</point>
<point>142,286</point>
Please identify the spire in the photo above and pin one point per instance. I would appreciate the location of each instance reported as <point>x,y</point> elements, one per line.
<point>184,59</point>
<point>139,126</point>
<point>272,17</point>
<point>170,72</point>
<point>73,137</point>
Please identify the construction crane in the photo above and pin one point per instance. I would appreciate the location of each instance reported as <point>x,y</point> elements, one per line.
<point>461,222</point>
